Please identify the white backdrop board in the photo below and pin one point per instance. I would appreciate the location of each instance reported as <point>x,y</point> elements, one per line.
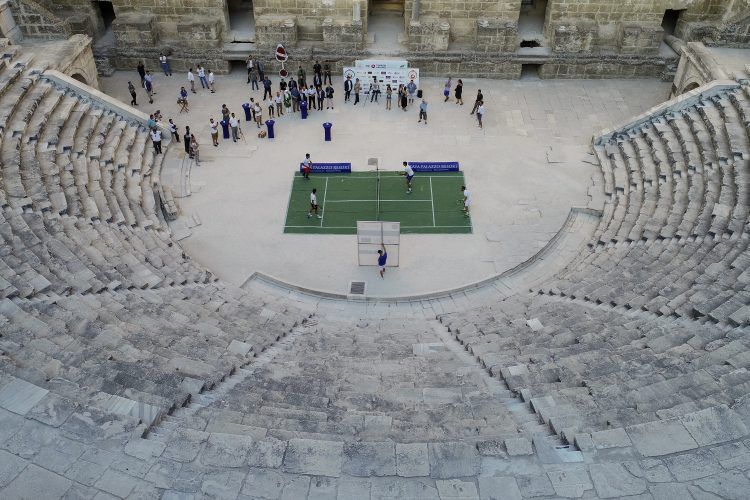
<point>382,63</point>
<point>392,76</point>
<point>369,238</point>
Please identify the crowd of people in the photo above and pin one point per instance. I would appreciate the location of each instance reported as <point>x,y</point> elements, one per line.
<point>295,95</point>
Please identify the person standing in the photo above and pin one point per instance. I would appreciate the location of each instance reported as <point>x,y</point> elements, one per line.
<point>253,80</point>
<point>141,71</point>
<point>403,99</point>
<point>423,111</point>
<point>348,85</point>
<point>250,69</point>
<point>214,132</point>
<point>382,259</point>
<point>409,174</point>
<point>314,205</point>
<point>149,90</point>
<point>173,131</point>
<point>301,77</point>
<point>288,101</point>
<point>202,77</point>
<point>411,88</point>
<point>357,89</point>
<point>459,92</point>
<point>165,65</point>
<point>261,73</point>
<point>306,166</point>
<point>374,89</point>
<point>258,114</point>
<point>267,88</point>
<point>321,94</point>
<point>150,78</point>
<point>480,98</point>
<point>282,85</point>
<point>317,69</point>
<point>279,101</point>
<point>480,113</point>
<point>211,80</point>
<point>467,200</point>
<point>186,140</point>
<point>234,123</point>
<point>327,73</point>
<point>131,89</point>
<point>224,112</point>
<point>156,139</point>
<point>388,96</point>
<point>447,89</point>
<point>271,106</point>
<point>191,80</point>
<point>329,96</point>
<point>295,98</point>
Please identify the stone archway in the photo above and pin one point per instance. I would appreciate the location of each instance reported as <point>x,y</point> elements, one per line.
<point>690,86</point>
<point>80,78</point>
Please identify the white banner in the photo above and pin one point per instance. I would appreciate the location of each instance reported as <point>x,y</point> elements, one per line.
<point>382,63</point>
<point>385,76</point>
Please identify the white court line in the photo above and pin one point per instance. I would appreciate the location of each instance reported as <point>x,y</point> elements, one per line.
<point>432,200</point>
<point>347,201</point>
<point>323,212</point>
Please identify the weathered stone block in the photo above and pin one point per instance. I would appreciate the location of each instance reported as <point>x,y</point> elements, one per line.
<point>135,29</point>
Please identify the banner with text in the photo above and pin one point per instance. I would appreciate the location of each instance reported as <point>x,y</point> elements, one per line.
<point>329,168</point>
<point>434,166</point>
<point>386,76</point>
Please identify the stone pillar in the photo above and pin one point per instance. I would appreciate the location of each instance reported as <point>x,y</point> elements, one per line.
<point>8,25</point>
<point>356,14</point>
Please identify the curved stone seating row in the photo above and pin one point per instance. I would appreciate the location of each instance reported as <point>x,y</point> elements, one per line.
<point>589,368</point>
<point>673,237</point>
<point>390,381</point>
<point>157,349</point>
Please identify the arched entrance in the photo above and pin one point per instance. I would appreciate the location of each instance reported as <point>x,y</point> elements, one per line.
<point>80,78</point>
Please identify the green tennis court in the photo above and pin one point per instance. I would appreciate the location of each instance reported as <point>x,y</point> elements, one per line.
<point>433,207</point>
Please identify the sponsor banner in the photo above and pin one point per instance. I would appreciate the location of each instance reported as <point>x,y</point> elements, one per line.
<point>382,63</point>
<point>329,168</point>
<point>434,166</point>
<point>385,76</point>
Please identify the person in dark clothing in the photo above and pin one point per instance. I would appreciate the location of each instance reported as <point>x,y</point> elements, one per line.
<point>348,85</point>
<point>142,71</point>
<point>327,73</point>
<point>186,140</point>
<point>317,68</point>
<point>480,98</point>
<point>403,99</point>
<point>459,91</point>
<point>131,89</point>
<point>267,88</point>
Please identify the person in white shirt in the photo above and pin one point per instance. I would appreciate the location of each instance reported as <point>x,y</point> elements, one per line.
<point>279,101</point>
<point>214,131</point>
<point>314,205</point>
<point>271,106</point>
<point>211,79</point>
<point>480,113</point>
<point>306,166</point>
<point>191,80</point>
<point>156,139</point>
<point>409,173</point>
<point>234,124</point>
<point>467,200</point>
<point>165,65</point>
<point>258,114</point>
<point>202,77</point>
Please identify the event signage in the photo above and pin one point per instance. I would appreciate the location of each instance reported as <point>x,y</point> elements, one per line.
<point>385,76</point>
<point>329,168</point>
<point>382,63</point>
<point>434,166</point>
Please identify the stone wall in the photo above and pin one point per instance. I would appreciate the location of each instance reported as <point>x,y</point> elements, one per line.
<point>309,14</point>
<point>429,35</point>
<point>36,21</point>
<point>463,15</point>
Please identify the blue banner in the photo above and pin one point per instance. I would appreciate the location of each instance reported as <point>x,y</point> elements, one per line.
<point>434,166</point>
<point>329,168</point>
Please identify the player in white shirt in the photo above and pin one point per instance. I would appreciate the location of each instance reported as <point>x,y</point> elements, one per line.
<point>314,205</point>
<point>409,173</point>
<point>467,200</point>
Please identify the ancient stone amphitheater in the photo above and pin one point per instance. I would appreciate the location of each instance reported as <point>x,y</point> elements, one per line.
<point>129,371</point>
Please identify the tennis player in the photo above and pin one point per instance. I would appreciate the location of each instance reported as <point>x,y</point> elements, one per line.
<point>382,259</point>
<point>409,173</point>
<point>467,200</point>
<point>314,205</point>
<point>306,166</point>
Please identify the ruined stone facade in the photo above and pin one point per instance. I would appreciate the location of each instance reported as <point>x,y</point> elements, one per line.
<point>570,38</point>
